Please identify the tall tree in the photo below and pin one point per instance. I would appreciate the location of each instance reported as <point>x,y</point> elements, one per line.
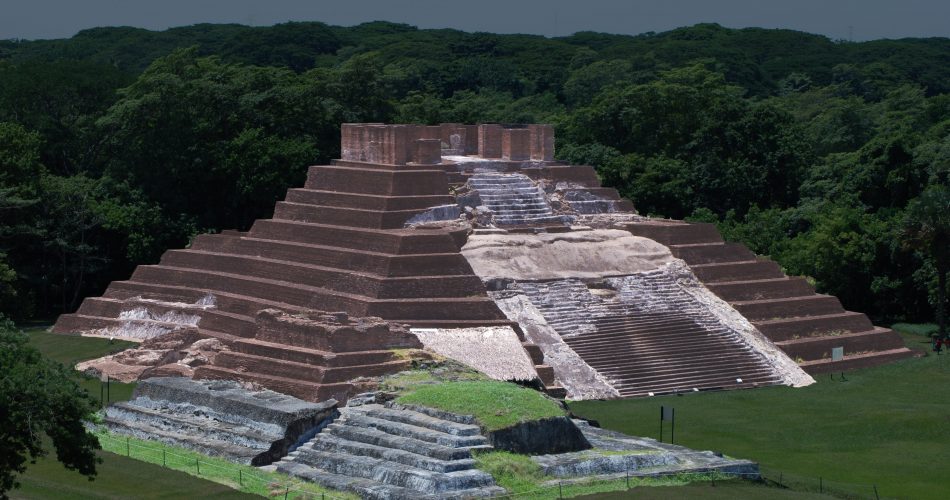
<point>927,230</point>
<point>38,398</point>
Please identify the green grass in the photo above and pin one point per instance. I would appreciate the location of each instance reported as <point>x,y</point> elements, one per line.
<point>884,426</point>
<point>71,349</point>
<point>522,477</point>
<point>923,329</point>
<point>244,478</point>
<point>119,478</point>
<point>495,405</point>
<point>728,490</point>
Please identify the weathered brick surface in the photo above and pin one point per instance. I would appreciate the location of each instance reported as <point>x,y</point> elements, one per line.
<point>489,140</point>
<point>515,144</point>
<point>541,142</point>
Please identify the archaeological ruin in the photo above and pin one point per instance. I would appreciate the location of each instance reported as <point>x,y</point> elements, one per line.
<point>456,228</point>
<point>472,243</point>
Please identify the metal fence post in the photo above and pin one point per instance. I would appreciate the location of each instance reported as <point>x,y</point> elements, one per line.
<point>241,477</point>
<point>878,497</point>
<point>197,467</point>
<point>128,450</point>
<point>821,486</point>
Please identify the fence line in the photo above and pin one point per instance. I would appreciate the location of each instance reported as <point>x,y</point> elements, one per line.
<point>275,488</point>
<point>236,475</point>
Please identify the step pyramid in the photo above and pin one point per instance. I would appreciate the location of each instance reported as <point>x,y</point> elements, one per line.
<point>372,235</point>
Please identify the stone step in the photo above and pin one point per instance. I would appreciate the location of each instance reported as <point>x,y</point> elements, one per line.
<point>736,271</point>
<point>438,308</point>
<point>224,301</point>
<point>392,473</point>
<point>646,376</point>
<point>858,360</point>
<point>706,253</point>
<point>415,432</point>
<point>374,490</point>
<point>214,425</point>
<point>309,356</point>
<point>205,445</point>
<point>242,362</point>
<point>307,391</point>
<point>366,488</point>
<point>789,307</point>
<point>405,181</point>
<point>366,201</point>
<point>394,242</point>
<point>770,288</point>
<point>816,348</point>
<point>353,282</point>
<point>333,443</point>
<point>381,264</point>
<point>676,234</point>
<point>710,385</point>
<point>788,328</point>
<point>382,439</point>
<point>342,216</point>
<point>419,420</point>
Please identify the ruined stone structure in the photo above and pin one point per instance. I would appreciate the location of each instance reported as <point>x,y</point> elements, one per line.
<point>397,229</point>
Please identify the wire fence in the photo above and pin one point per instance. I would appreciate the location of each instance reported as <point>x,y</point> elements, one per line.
<point>821,485</point>
<point>250,479</point>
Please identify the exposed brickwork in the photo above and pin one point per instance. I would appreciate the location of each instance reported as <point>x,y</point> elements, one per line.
<point>542,142</point>
<point>515,144</point>
<point>786,309</point>
<point>489,140</point>
<point>427,151</point>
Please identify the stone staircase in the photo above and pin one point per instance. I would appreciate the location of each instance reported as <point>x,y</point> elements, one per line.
<point>647,335</point>
<point>805,324</point>
<point>395,453</point>
<point>218,418</point>
<point>514,199</point>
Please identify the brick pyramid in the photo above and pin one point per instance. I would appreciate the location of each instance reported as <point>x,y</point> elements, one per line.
<point>340,243</point>
<point>336,244</point>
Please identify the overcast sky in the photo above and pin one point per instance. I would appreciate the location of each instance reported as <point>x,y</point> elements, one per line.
<point>838,19</point>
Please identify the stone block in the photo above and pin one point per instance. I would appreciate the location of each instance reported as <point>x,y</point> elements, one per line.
<point>542,142</point>
<point>427,151</point>
<point>387,144</point>
<point>515,144</point>
<point>489,140</point>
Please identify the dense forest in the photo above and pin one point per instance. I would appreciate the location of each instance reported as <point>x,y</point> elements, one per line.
<point>831,157</point>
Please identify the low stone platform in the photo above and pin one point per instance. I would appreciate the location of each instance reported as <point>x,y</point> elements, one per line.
<point>390,453</point>
<point>219,418</point>
<point>615,453</point>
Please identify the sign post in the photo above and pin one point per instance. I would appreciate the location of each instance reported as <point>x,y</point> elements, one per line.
<point>668,414</point>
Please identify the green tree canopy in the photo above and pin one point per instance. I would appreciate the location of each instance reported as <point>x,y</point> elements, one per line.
<point>40,399</point>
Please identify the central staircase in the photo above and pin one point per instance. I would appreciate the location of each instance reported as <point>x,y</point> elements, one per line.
<point>805,324</point>
<point>646,335</point>
<point>514,199</point>
<point>393,453</point>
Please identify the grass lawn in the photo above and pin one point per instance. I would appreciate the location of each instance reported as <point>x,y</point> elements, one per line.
<point>71,349</point>
<point>886,426</point>
<point>494,404</point>
<point>119,477</point>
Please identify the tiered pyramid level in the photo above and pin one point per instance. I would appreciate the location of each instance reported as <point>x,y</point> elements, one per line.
<point>378,233</point>
<point>805,324</point>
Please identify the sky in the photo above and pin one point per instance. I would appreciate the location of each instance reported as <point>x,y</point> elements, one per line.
<point>856,20</point>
